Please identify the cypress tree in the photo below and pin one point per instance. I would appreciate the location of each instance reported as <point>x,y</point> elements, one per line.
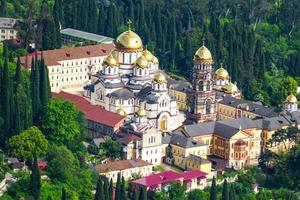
<point>232,193</point>
<point>213,190</point>
<point>225,193</point>
<point>63,194</point>
<point>18,72</point>
<point>17,118</point>
<point>134,195</point>
<point>6,101</point>
<point>3,8</point>
<point>35,180</point>
<point>143,194</point>
<point>58,18</point>
<point>219,42</point>
<point>74,15</point>
<point>131,11</point>
<point>49,197</point>
<point>44,88</point>
<point>141,15</point>
<point>92,17</point>
<point>188,56</point>
<point>101,20</point>
<point>110,189</point>
<point>118,188</point>
<point>99,190</point>
<point>106,189</point>
<point>158,26</point>
<point>123,189</point>
<point>173,43</point>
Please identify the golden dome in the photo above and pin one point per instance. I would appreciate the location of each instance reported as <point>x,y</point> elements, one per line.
<point>141,112</point>
<point>291,99</point>
<point>129,40</point>
<point>230,88</point>
<point>155,60</point>
<point>110,60</point>
<point>203,54</point>
<point>122,112</point>
<point>221,74</point>
<point>160,78</point>
<point>141,62</point>
<point>148,55</point>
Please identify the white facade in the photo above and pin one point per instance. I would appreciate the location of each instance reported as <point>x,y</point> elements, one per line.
<point>130,81</point>
<point>7,30</point>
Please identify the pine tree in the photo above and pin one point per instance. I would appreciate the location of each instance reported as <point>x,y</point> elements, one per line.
<point>232,193</point>
<point>63,194</point>
<point>213,190</point>
<point>35,180</point>
<point>118,188</point>
<point>99,190</point>
<point>225,193</point>
<point>143,194</point>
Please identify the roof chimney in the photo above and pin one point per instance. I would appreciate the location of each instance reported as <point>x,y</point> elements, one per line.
<point>68,54</point>
<point>88,53</point>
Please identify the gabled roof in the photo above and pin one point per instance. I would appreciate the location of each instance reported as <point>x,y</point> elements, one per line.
<point>273,123</point>
<point>92,112</point>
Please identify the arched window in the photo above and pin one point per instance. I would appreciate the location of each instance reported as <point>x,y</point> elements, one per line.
<point>208,86</point>
<point>208,106</point>
<point>201,86</point>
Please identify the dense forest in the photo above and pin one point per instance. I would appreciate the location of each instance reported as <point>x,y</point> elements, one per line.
<point>257,41</point>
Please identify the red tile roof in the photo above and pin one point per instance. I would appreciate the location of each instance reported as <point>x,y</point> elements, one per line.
<point>52,57</point>
<point>167,177</point>
<point>119,165</point>
<point>92,112</point>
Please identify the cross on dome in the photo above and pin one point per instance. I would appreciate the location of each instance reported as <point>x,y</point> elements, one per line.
<point>129,23</point>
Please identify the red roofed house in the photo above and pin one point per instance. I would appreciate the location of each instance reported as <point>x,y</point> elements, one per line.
<point>100,121</point>
<point>160,182</point>
<point>127,168</point>
<point>71,67</point>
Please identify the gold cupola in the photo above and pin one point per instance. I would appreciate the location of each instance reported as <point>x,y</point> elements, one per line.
<point>141,62</point>
<point>160,78</point>
<point>291,99</point>
<point>141,112</point>
<point>221,74</point>
<point>122,112</point>
<point>129,40</point>
<point>148,55</point>
<point>111,61</point>
<point>230,88</point>
<point>154,60</point>
<point>203,55</point>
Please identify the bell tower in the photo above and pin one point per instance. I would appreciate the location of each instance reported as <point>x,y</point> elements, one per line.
<point>202,99</point>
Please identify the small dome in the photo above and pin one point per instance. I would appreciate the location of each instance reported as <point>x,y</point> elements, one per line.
<point>230,88</point>
<point>122,112</point>
<point>141,112</point>
<point>129,40</point>
<point>203,55</point>
<point>154,60</point>
<point>160,78</point>
<point>110,60</point>
<point>221,74</point>
<point>291,99</point>
<point>141,62</point>
<point>148,55</point>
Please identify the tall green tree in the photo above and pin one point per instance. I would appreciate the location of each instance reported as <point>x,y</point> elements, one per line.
<point>35,180</point>
<point>99,190</point>
<point>63,194</point>
<point>143,194</point>
<point>118,194</point>
<point>213,190</point>
<point>225,192</point>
